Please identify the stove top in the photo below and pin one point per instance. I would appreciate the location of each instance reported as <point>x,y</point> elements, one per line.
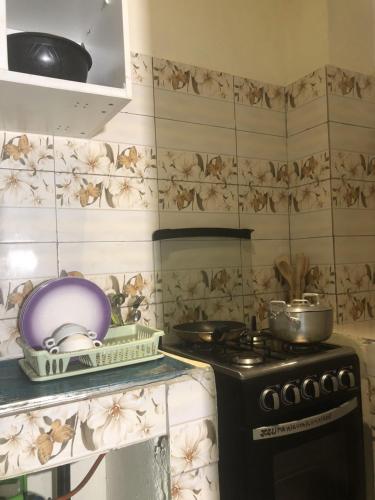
<point>254,354</point>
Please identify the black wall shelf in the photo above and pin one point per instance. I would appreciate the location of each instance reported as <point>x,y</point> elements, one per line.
<point>194,232</point>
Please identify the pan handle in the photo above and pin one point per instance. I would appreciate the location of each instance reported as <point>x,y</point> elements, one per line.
<point>218,333</point>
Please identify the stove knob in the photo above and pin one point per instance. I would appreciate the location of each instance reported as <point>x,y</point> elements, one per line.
<point>269,400</point>
<point>290,394</point>
<point>310,388</point>
<point>346,379</point>
<point>329,383</point>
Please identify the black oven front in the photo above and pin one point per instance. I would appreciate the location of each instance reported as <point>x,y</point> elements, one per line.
<point>308,451</point>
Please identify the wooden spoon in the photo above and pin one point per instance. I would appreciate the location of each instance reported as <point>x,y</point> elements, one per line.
<point>285,269</point>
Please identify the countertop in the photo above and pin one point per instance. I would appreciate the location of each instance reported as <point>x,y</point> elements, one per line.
<point>18,393</point>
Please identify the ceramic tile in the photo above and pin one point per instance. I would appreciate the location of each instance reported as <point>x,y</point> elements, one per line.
<point>351,165</point>
<point>260,199</point>
<point>182,78</point>
<point>8,335</point>
<point>352,111</point>
<point>189,108</point>
<point>105,192</point>
<point>142,101</point>
<point>105,257</point>
<point>308,116</point>
<point>20,188</point>
<point>194,137</point>
<point>311,197</point>
<point>105,225</point>
<point>351,138</point>
<point>347,194</point>
<point>351,307</point>
<point>321,279</point>
<point>309,142</point>
<point>193,445</point>
<point>18,225</point>
<point>266,226</point>
<point>28,260</point>
<point>347,83</point>
<point>192,397</point>
<point>354,277</point>
<point>313,168</point>
<point>262,146</point>
<point>262,173</point>
<point>197,219</point>
<point>319,250</point>
<point>27,152</point>
<point>198,167</point>
<point>354,249</point>
<point>151,315</point>
<point>261,279</point>
<point>179,195</point>
<point>258,306</point>
<point>354,222</point>
<point>129,129</point>
<point>141,66</point>
<point>258,94</point>
<point>311,224</point>
<point>253,119</point>
<point>262,252</point>
<point>306,89</point>
<point>200,484</point>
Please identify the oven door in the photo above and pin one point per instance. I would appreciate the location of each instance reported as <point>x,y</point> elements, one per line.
<point>319,457</point>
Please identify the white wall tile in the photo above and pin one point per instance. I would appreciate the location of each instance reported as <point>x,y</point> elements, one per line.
<point>28,260</point>
<point>307,116</point>
<point>263,252</point>
<point>353,222</point>
<point>253,145</point>
<point>319,250</point>
<point>129,129</point>
<point>354,249</point>
<point>352,138</point>
<point>189,108</point>
<point>194,137</point>
<point>266,226</point>
<point>106,225</point>
<point>311,224</point>
<point>27,224</point>
<point>197,219</point>
<point>351,111</point>
<point>142,102</point>
<point>253,119</point>
<point>308,142</point>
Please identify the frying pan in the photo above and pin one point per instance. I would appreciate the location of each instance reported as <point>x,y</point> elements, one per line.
<point>209,331</point>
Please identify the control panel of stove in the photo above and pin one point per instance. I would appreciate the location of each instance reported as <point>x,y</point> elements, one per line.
<point>309,388</point>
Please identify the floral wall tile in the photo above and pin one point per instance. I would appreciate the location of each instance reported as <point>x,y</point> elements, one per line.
<point>351,165</point>
<point>263,200</point>
<point>350,83</point>
<point>51,436</point>
<point>8,339</point>
<point>258,305</point>
<point>259,172</point>
<point>193,445</point>
<point>311,197</point>
<point>306,89</point>
<point>26,188</point>
<point>313,168</point>
<point>193,80</point>
<point>141,67</point>
<point>27,152</point>
<point>354,277</point>
<point>262,279</point>
<point>151,314</point>
<point>352,307</point>
<point>75,190</point>
<point>200,484</point>
<point>321,279</point>
<point>259,94</point>
<point>347,194</point>
<point>196,167</point>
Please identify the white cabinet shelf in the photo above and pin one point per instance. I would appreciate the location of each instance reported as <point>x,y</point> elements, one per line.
<point>53,106</point>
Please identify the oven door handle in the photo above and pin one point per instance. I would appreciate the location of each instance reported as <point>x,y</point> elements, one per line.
<point>305,424</point>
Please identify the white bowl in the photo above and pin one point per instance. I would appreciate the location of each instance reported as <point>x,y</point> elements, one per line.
<point>77,342</point>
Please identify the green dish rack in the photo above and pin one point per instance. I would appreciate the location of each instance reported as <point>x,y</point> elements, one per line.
<point>123,345</point>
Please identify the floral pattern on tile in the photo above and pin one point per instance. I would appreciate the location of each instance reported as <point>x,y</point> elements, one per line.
<point>21,188</point>
<point>256,172</point>
<point>350,165</point>
<point>197,167</point>
<point>151,315</point>
<point>306,89</point>
<point>261,279</point>
<point>27,152</point>
<point>188,284</point>
<point>259,94</point>
<point>75,190</point>
<point>8,339</point>
<point>352,307</point>
<point>193,445</point>
<point>198,197</point>
<point>311,197</point>
<point>320,279</point>
<point>141,67</point>
<point>350,83</point>
<point>263,200</point>
<point>99,158</point>
<point>201,484</point>
<point>354,277</point>
<point>47,437</point>
<point>313,168</point>
<point>258,305</point>
<point>353,194</point>
<point>193,80</point>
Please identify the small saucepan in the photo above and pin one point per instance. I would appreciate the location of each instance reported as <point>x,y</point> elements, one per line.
<point>209,331</point>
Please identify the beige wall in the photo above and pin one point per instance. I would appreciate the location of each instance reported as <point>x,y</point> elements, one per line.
<point>277,41</point>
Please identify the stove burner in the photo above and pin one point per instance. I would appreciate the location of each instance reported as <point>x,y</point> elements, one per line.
<point>247,359</point>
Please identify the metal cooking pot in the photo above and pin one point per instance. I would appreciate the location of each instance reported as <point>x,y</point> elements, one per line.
<point>209,331</point>
<point>302,321</point>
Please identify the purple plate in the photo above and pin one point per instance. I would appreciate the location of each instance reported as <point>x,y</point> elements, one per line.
<point>64,300</point>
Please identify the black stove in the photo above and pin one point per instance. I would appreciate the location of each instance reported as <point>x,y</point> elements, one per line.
<point>290,421</point>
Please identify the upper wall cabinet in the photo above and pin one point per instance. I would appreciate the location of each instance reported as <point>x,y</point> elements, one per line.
<point>61,107</point>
